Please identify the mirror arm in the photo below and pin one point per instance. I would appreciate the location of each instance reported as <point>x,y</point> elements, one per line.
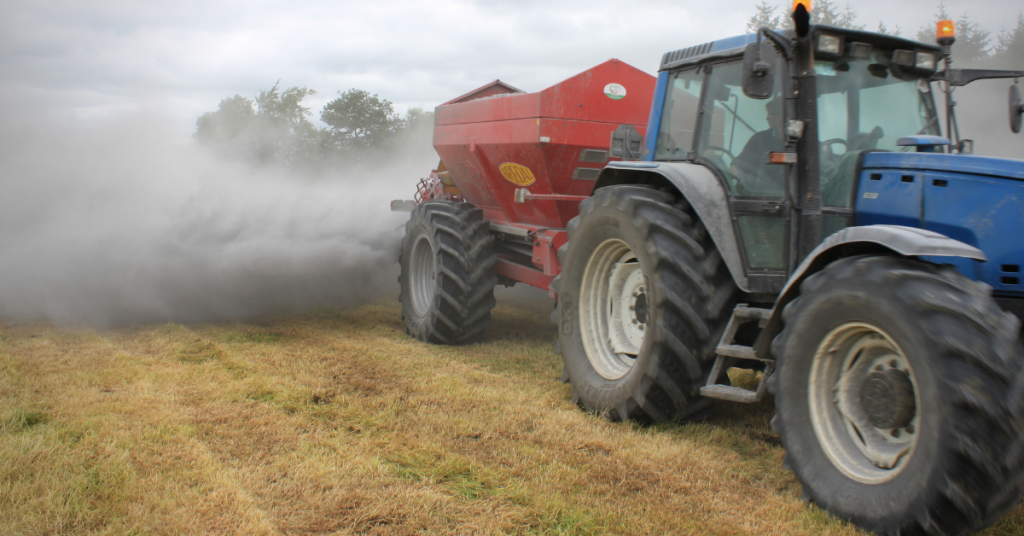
<point>780,41</point>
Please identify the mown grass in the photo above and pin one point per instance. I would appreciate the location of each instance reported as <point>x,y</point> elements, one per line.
<point>338,423</point>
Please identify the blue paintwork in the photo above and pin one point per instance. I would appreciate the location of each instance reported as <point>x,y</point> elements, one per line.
<point>735,42</point>
<point>721,47</point>
<point>974,199</point>
<point>635,165</point>
<point>654,121</point>
<point>731,44</point>
<point>953,163</point>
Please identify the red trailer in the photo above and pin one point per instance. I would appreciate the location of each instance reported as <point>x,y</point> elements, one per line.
<point>526,160</point>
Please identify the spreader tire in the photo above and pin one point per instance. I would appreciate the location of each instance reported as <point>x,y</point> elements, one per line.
<point>637,256</point>
<point>898,397</point>
<point>447,278</point>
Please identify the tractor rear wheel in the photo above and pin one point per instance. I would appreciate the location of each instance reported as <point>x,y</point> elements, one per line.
<point>447,278</point>
<point>898,397</point>
<point>643,300</point>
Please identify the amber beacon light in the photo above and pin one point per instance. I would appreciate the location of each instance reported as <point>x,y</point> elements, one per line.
<point>805,3</point>
<point>945,32</point>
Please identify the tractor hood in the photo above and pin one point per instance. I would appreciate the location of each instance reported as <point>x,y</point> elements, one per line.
<point>948,163</point>
<point>978,200</point>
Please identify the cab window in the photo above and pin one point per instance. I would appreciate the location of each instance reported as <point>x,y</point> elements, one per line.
<point>737,132</point>
<point>679,116</point>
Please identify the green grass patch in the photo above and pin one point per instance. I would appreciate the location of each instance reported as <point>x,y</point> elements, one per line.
<point>259,336</point>
<point>197,351</point>
<point>22,419</point>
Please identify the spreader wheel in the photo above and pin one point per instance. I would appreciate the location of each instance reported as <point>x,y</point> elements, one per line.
<point>643,300</point>
<point>447,277</point>
<point>899,397</point>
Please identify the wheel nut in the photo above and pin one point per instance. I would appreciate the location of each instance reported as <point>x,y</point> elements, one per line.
<point>893,363</point>
<point>909,429</point>
<point>895,432</point>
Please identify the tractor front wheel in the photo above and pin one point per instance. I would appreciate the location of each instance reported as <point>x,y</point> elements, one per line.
<point>447,279</point>
<point>898,397</point>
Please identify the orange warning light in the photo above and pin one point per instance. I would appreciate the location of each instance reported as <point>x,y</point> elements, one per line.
<point>945,28</point>
<point>805,3</point>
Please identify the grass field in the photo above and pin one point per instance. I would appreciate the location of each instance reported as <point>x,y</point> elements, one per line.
<point>338,423</point>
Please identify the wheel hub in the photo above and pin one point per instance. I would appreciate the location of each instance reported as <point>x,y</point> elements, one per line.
<point>613,309</point>
<point>887,399</point>
<point>628,307</point>
<point>422,276</point>
<point>863,402</point>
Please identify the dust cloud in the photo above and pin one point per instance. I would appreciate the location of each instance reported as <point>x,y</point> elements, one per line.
<point>982,111</point>
<point>130,224</point>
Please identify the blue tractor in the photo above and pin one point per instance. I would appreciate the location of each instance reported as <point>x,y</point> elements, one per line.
<point>797,209</point>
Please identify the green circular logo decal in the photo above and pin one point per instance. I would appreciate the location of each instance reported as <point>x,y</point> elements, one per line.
<point>614,91</point>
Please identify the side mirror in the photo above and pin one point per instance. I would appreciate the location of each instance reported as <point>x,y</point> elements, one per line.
<point>758,77</point>
<point>627,144</point>
<point>1016,108</point>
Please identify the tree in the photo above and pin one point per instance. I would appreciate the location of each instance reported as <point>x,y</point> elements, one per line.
<point>766,18</point>
<point>273,128</point>
<point>1009,50</point>
<point>824,12</point>
<point>882,29</point>
<point>972,43</point>
<point>234,116</point>
<point>283,132</point>
<point>359,120</point>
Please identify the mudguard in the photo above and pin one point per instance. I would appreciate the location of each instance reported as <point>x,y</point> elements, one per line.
<point>703,191</point>
<point>904,241</point>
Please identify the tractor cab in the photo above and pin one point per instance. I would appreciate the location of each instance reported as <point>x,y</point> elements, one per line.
<point>872,90</point>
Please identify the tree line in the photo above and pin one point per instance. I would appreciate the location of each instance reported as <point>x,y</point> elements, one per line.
<point>275,128</point>
<point>974,47</point>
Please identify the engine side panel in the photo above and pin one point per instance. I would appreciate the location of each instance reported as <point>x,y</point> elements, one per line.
<point>951,197</point>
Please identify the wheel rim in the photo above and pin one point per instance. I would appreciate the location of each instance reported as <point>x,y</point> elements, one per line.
<point>422,276</point>
<point>864,401</point>
<point>613,309</point>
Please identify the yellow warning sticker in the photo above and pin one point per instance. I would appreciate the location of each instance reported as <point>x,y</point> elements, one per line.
<point>517,174</point>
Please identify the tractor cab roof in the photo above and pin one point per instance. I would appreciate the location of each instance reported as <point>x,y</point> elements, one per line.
<point>732,46</point>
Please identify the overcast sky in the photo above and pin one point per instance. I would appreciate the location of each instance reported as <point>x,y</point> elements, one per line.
<point>88,61</point>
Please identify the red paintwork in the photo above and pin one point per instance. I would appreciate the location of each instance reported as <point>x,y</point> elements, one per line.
<point>473,138</point>
<point>495,124</point>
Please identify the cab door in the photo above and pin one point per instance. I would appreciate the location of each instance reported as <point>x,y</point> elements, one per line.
<point>735,134</point>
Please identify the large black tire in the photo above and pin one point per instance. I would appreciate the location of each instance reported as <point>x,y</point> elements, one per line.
<point>964,469</point>
<point>447,278</point>
<point>689,295</point>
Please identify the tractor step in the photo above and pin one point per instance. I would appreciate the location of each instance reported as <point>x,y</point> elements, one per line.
<point>730,393</point>
<point>728,349</point>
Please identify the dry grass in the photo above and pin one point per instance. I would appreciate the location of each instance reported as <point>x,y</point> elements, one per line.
<point>338,423</point>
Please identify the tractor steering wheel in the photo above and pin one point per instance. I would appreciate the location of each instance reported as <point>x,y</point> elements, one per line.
<point>829,160</point>
<point>723,149</point>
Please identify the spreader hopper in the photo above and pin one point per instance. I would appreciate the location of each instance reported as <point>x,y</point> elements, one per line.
<point>497,139</point>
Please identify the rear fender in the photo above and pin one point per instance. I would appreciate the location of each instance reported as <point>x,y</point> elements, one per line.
<point>701,189</point>
<point>867,239</point>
